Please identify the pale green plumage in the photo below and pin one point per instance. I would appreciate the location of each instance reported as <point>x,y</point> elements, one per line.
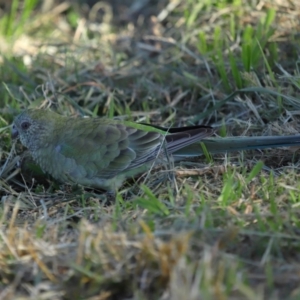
<point>97,152</point>
<point>103,152</point>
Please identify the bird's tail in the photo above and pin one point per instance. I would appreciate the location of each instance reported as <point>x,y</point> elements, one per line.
<point>223,145</point>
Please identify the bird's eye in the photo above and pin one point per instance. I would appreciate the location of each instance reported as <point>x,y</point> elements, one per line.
<point>25,125</point>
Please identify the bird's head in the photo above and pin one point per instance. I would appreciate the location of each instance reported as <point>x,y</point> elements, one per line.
<point>33,127</point>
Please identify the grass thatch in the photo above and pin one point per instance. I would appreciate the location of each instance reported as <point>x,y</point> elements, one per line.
<point>220,227</point>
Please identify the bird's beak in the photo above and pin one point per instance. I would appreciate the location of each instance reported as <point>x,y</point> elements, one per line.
<point>14,132</point>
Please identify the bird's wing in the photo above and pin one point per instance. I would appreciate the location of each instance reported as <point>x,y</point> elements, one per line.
<point>106,148</point>
<point>171,140</point>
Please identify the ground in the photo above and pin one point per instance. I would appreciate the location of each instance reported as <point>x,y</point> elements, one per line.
<point>215,227</point>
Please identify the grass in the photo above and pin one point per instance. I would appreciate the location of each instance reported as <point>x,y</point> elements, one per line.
<point>220,226</point>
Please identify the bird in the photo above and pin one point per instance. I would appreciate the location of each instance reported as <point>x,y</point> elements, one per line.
<point>103,153</point>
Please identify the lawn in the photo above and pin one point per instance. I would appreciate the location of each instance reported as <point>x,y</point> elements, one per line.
<point>221,226</point>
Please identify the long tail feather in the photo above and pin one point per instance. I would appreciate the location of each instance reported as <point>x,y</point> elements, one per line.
<point>220,145</point>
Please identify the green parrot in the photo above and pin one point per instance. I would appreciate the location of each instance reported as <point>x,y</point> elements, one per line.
<point>102,153</point>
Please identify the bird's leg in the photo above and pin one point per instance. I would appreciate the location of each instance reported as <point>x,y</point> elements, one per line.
<point>111,197</point>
